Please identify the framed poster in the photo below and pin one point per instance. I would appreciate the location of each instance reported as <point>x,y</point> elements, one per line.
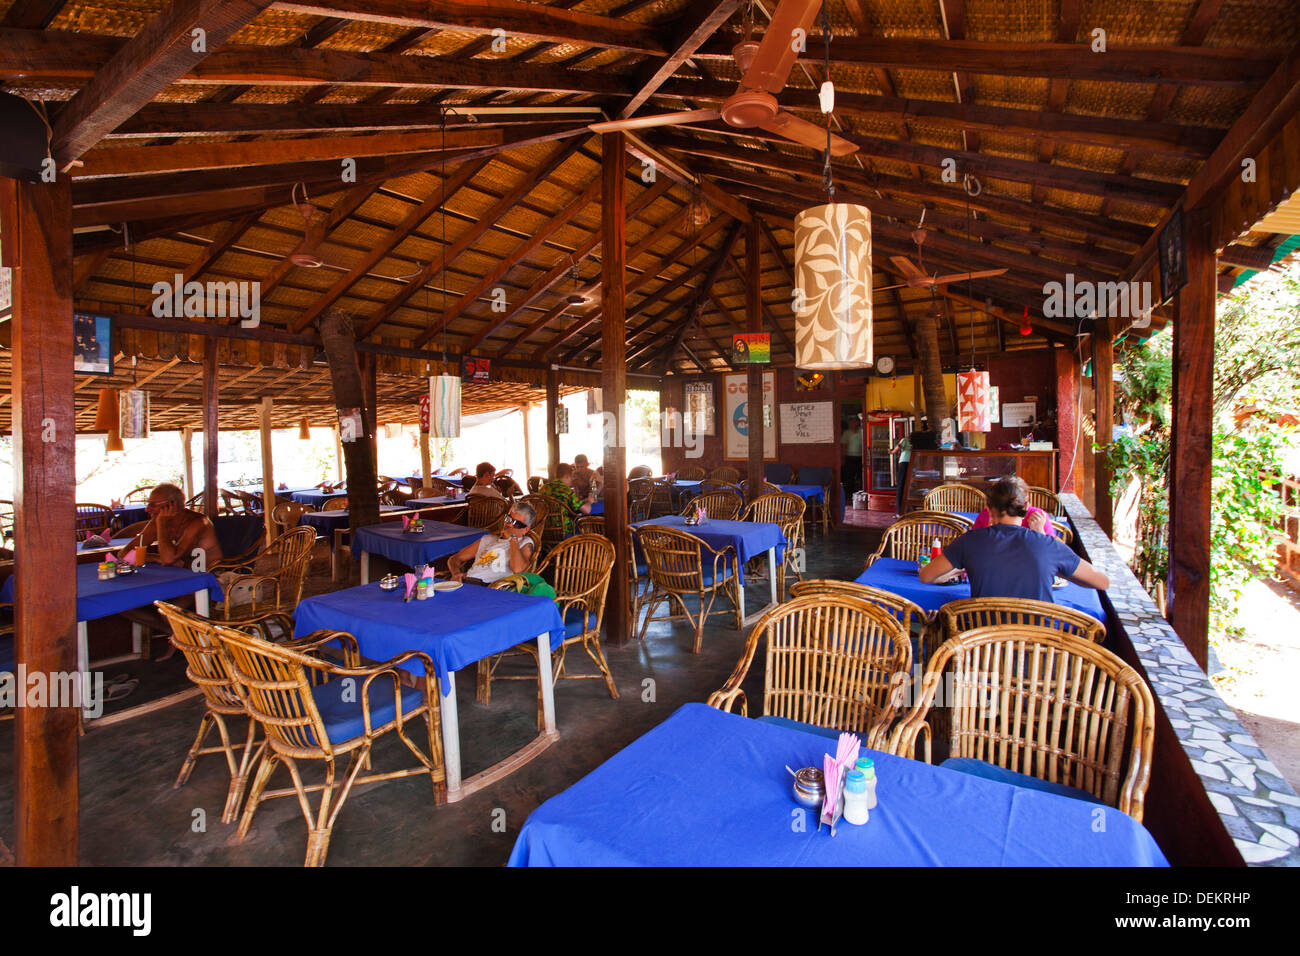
<point>1173,263</point>
<point>698,415</point>
<point>751,348</point>
<point>92,343</point>
<point>737,410</point>
<point>1018,414</point>
<point>475,369</point>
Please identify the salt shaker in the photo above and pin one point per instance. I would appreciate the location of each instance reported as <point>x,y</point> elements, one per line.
<point>867,766</point>
<point>855,798</point>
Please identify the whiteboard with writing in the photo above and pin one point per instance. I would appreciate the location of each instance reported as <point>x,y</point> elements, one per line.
<point>807,423</point>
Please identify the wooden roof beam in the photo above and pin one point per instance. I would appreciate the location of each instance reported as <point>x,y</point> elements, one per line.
<point>142,67</point>
<point>699,23</point>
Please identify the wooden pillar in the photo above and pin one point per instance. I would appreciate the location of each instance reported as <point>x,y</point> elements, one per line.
<point>754,373</point>
<point>210,389</point>
<point>613,379</point>
<point>426,464</point>
<point>1070,439</point>
<point>36,219</point>
<point>552,422</point>
<point>528,453</point>
<point>1188,594</point>
<point>1103,384</point>
<point>351,387</point>
<point>187,453</point>
<point>268,472</point>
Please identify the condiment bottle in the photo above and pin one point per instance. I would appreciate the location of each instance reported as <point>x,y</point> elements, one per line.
<point>855,798</point>
<point>867,767</point>
<point>936,549</point>
<point>106,571</point>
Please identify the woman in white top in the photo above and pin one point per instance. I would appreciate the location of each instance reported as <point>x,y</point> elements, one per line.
<point>494,556</point>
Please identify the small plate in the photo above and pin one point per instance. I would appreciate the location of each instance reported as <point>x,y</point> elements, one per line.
<point>448,585</point>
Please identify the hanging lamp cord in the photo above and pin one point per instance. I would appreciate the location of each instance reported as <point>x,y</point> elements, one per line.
<point>828,180</point>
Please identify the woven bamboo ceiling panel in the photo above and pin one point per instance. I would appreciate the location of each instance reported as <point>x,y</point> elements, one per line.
<point>437,160</point>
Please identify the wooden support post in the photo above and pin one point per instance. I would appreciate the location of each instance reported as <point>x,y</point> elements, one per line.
<point>426,463</point>
<point>338,338</point>
<point>36,219</point>
<point>613,379</point>
<point>1188,593</point>
<point>187,452</point>
<point>552,422</point>
<point>1103,363</point>
<point>754,381</point>
<point>1069,437</point>
<point>528,455</point>
<point>210,389</point>
<point>268,472</point>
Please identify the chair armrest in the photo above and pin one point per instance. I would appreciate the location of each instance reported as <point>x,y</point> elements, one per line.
<point>259,625</point>
<point>902,742</point>
<point>323,638</point>
<point>723,699</point>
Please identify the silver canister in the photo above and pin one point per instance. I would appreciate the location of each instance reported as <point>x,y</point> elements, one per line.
<point>809,788</point>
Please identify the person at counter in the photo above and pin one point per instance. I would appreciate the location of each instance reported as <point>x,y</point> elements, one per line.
<point>1009,559</point>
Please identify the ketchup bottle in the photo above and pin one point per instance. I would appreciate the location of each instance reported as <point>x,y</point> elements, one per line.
<point>935,549</point>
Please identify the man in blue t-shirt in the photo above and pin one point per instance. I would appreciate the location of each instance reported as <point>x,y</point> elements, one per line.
<point>1009,560</point>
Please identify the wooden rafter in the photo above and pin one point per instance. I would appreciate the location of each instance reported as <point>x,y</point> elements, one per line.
<point>700,22</point>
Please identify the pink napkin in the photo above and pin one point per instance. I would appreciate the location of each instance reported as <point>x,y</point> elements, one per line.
<point>110,558</point>
<point>406,522</point>
<point>129,557</point>
<point>410,583</point>
<point>115,503</point>
<point>426,571</point>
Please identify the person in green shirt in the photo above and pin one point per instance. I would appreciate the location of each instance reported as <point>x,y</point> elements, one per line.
<point>561,488</point>
<point>903,449</point>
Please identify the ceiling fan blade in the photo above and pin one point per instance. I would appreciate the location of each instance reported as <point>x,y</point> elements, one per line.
<point>776,56</point>
<point>887,288</point>
<point>910,271</point>
<point>808,134</point>
<point>959,276</point>
<point>661,119</point>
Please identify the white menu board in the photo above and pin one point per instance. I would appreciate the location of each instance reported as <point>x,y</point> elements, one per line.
<point>807,423</point>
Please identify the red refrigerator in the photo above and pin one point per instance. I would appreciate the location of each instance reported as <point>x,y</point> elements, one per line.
<point>881,467</point>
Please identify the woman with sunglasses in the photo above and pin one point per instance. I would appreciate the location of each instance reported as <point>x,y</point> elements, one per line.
<point>494,556</point>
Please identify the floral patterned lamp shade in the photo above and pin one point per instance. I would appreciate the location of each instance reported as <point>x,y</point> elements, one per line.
<point>832,253</point>
<point>444,406</point>
<point>973,401</point>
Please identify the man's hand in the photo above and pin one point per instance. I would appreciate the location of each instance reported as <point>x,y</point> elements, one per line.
<point>1037,521</point>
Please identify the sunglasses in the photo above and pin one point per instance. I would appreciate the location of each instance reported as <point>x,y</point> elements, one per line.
<point>513,522</point>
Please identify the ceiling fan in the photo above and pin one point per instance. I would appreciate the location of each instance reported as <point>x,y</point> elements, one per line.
<point>305,254</point>
<point>765,68</point>
<point>915,275</point>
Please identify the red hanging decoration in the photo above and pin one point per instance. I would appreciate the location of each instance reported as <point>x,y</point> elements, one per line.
<point>1025,327</point>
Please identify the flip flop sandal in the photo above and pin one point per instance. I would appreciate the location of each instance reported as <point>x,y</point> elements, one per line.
<point>116,690</point>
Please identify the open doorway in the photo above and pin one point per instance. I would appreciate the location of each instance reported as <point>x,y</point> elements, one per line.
<point>851,447</point>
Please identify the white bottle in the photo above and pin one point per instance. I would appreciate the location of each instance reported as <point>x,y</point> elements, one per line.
<point>855,798</point>
<point>867,767</point>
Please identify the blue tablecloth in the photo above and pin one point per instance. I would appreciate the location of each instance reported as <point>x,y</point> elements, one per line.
<point>315,497</point>
<point>901,578</point>
<point>96,598</point>
<point>437,540</point>
<point>455,628</point>
<point>749,538</point>
<point>706,788</point>
<point>130,514</point>
<point>806,492</point>
<point>327,522</point>
<point>441,500</point>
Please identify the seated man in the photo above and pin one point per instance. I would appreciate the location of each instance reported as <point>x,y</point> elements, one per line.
<point>583,476</point>
<point>484,475</point>
<point>1008,559</point>
<point>495,556</point>
<point>561,487</point>
<point>176,531</point>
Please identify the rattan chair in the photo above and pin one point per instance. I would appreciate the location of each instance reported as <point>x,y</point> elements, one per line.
<point>535,483</point>
<point>832,660</point>
<point>507,485</point>
<point>969,614</point>
<point>595,524</point>
<point>287,515</point>
<point>718,505</point>
<point>281,590</point>
<point>680,564</point>
<point>92,520</point>
<point>541,505</point>
<point>907,612</point>
<point>912,535</point>
<point>579,569</point>
<point>954,497</point>
<point>824,478</point>
<point>486,512</point>
<point>1046,499</point>
<point>335,504</point>
<point>661,500</point>
<point>558,522</point>
<point>691,473</point>
<point>726,473</point>
<point>786,510</point>
<point>640,499</point>
<point>1063,531</point>
<point>711,485</point>
<point>1045,704</point>
<point>339,717</point>
<point>193,636</point>
<point>140,494</point>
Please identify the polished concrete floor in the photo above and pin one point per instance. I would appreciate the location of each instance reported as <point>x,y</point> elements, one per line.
<point>131,815</point>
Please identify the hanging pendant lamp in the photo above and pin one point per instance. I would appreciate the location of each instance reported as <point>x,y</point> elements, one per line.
<point>973,401</point>
<point>304,431</point>
<point>107,411</point>
<point>133,413</point>
<point>444,406</point>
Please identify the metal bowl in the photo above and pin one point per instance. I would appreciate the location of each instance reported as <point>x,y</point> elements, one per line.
<point>389,583</point>
<point>809,788</point>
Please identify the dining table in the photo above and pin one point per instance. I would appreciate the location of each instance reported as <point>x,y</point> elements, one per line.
<point>456,628</point>
<point>315,496</point>
<point>903,578</point>
<point>708,788</point>
<point>749,539</point>
<point>99,599</point>
<point>391,540</point>
<point>327,522</point>
<point>125,515</point>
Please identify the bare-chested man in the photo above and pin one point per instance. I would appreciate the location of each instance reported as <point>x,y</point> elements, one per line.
<point>176,531</point>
